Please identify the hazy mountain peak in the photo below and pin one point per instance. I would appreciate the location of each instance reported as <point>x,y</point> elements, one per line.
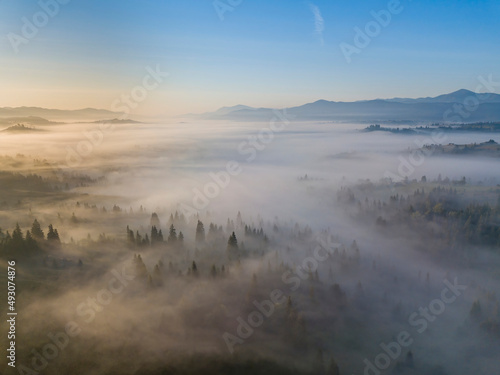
<point>396,109</point>
<point>229,109</point>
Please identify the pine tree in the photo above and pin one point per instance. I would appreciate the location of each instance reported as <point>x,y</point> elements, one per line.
<point>200,232</point>
<point>36,231</point>
<point>138,238</point>
<point>130,235</point>
<point>157,274</point>
<point>154,235</point>
<point>17,238</point>
<point>140,268</point>
<point>31,244</point>
<point>155,221</point>
<point>232,243</point>
<point>56,236</point>
<point>172,235</point>
<point>53,235</point>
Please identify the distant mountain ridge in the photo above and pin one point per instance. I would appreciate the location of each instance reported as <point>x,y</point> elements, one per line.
<point>442,108</point>
<point>458,96</point>
<point>32,120</point>
<point>57,114</point>
<point>472,107</point>
<point>19,128</point>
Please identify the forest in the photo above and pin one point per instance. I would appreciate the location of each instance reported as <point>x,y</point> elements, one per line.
<point>253,294</point>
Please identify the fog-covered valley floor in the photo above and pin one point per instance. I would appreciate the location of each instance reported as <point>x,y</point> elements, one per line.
<point>249,247</point>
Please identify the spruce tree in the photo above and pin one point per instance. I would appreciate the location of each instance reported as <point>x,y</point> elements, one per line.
<point>232,242</point>
<point>36,231</point>
<point>200,232</point>
<point>17,237</point>
<point>172,235</point>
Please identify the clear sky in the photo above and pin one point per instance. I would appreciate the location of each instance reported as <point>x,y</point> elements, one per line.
<point>271,53</point>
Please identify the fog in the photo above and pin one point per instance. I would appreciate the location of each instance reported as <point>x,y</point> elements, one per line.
<point>312,187</point>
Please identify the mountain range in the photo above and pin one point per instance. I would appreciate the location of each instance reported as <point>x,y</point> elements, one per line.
<point>56,114</point>
<point>459,106</point>
<point>462,106</point>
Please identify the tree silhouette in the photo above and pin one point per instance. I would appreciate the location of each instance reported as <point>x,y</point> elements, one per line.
<point>154,235</point>
<point>17,238</point>
<point>232,242</point>
<point>155,221</point>
<point>200,232</point>
<point>172,235</point>
<point>36,231</point>
<point>53,235</point>
<point>130,235</point>
<point>31,244</point>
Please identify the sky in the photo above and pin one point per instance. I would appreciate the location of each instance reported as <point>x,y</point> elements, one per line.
<point>263,53</point>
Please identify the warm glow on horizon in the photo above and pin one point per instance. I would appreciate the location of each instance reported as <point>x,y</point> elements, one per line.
<point>85,57</point>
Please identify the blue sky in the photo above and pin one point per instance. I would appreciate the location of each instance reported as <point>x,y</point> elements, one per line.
<point>263,53</point>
